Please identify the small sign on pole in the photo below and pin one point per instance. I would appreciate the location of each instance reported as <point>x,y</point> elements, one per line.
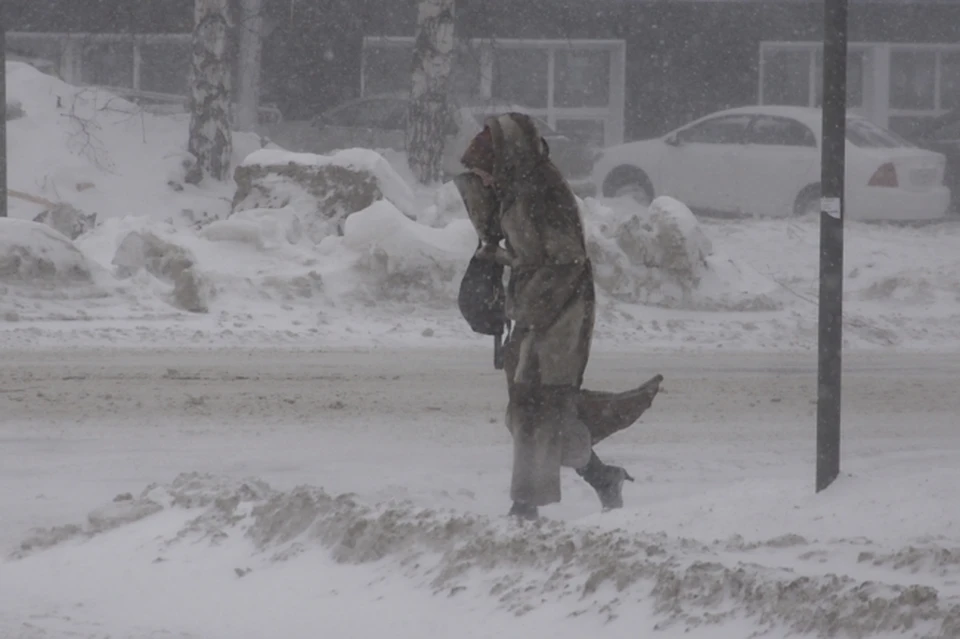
<point>829,370</point>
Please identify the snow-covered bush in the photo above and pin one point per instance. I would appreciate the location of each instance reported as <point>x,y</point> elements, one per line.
<point>661,256</point>
<point>322,190</point>
<point>35,255</point>
<point>400,259</point>
<point>168,262</point>
<point>263,228</point>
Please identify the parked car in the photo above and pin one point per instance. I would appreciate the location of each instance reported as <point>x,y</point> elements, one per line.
<point>942,135</point>
<point>765,161</point>
<point>379,122</point>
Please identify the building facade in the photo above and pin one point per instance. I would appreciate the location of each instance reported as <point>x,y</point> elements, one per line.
<point>605,70</point>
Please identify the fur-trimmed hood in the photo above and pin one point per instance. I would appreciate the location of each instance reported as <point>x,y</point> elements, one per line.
<point>518,147</point>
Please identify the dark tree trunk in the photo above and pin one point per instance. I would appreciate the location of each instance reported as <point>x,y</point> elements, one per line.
<point>210,141</point>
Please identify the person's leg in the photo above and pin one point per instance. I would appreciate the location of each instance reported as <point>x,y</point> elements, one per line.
<point>604,414</point>
<point>606,480</point>
<point>537,450</point>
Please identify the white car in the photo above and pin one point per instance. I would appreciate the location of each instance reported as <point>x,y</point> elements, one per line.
<point>765,161</point>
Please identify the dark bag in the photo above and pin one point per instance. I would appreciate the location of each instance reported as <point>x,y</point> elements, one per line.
<point>482,298</point>
<point>482,302</point>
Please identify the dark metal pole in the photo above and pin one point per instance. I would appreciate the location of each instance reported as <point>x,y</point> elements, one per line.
<point>3,100</point>
<point>831,241</point>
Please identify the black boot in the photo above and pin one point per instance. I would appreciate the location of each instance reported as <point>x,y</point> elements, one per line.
<point>606,480</point>
<point>521,510</point>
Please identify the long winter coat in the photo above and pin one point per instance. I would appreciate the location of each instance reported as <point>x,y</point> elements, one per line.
<point>550,299</point>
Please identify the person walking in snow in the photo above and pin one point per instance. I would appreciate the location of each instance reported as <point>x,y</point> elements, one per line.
<point>514,191</point>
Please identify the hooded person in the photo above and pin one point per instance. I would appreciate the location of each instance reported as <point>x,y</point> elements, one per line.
<point>513,191</point>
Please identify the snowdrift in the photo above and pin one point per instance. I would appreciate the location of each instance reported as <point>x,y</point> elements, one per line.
<point>321,190</point>
<point>297,236</point>
<point>36,256</point>
<point>403,260</point>
<point>41,268</point>
<point>661,256</point>
<point>102,154</point>
<point>229,529</point>
<point>45,276</point>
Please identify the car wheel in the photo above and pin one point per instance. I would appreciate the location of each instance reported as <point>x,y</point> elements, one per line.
<point>807,202</point>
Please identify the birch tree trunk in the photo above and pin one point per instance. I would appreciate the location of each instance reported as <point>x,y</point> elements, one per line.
<point>210,141</point>
<point>428,117</point>
<point>250,35</point>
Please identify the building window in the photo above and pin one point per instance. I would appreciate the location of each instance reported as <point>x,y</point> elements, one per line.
<point>521,76</point>
<point>950,80</point>
<point>786,77</point>
<point>582,78</point>
<point>466,76</point>
<point>913,80</point>
<point>43,53</point>
<point>108,64</point>
<point>855,79</point>
<point>165,67</point>
<point>387,69</point>
<point>578,82</point>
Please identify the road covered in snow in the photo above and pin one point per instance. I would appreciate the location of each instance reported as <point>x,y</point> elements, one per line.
<point>253,493</point>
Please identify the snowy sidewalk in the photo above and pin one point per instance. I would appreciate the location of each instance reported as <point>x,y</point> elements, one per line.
<point>722,535</point>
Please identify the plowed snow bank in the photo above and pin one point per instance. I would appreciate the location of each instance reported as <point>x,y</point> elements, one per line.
<point>517,568</point>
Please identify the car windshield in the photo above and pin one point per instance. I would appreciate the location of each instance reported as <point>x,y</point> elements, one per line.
<point>866,134</point>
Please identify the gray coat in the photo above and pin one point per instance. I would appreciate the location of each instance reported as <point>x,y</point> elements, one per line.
<point>550,299</point>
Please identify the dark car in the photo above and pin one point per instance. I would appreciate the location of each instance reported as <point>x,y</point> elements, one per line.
<point>942,134</point>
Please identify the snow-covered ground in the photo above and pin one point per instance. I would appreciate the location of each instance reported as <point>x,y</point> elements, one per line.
<point>219,421</point>
<point>264,276</point>
<point>273,494</point>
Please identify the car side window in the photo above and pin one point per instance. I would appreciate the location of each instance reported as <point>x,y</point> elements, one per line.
<point>777,131</point>
<point>726,129</point>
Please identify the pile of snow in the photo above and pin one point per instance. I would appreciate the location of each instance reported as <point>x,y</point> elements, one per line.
<point>594,574</point>
<point>302,237</point>
<point>33,255</point>
<point>146,251</point>
<point>661,256</point>
<point>104,155</point>
<point>403,260</point>
<point>321,190</point>
<point>67,220</point>
<point>44,276</point>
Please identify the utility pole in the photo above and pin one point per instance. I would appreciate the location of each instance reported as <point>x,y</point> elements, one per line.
<point>832,162</point>
<point>3,97</point>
